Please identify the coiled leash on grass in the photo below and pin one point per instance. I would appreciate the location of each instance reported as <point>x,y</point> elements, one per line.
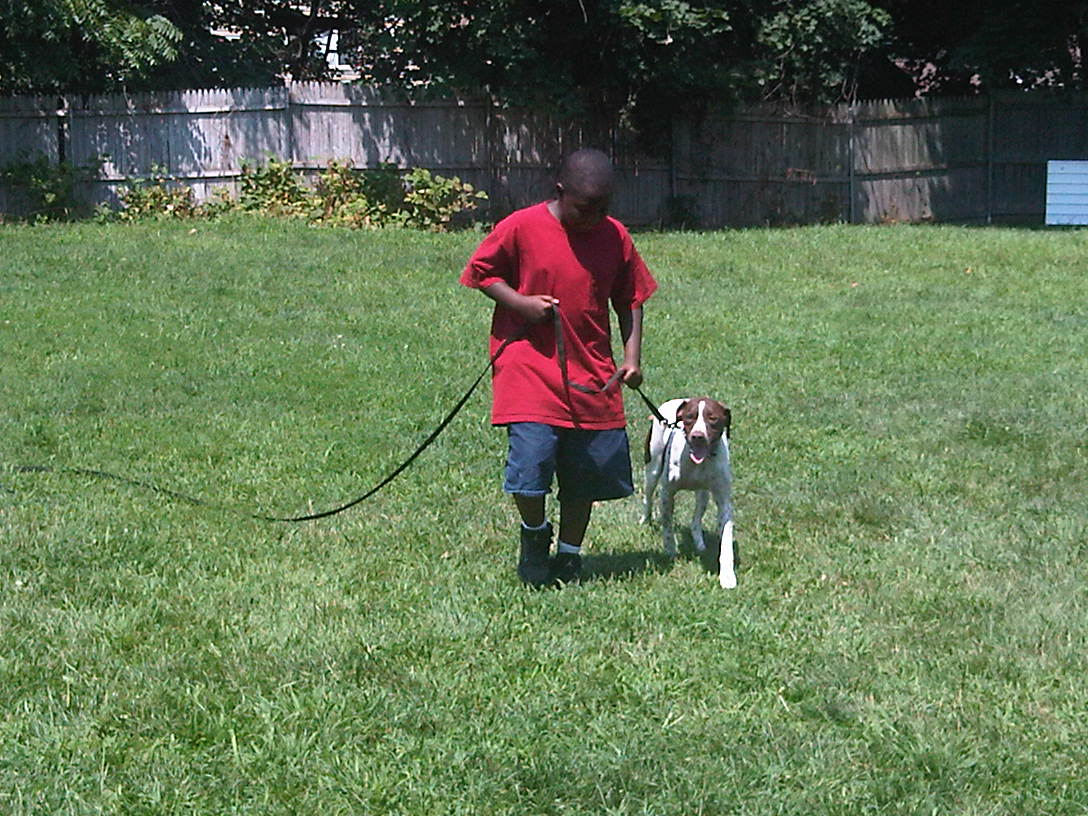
<point>561,353</point>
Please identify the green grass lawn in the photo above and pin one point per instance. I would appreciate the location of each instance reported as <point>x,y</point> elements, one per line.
<point>910,633</point>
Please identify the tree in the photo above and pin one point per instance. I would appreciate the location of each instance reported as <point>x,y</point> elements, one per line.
<point>99,45</point>
<point>251,42</point>
<point>646,60</point>
<point>979,45</point>
<point>80,44</point>
<point>816,51</point>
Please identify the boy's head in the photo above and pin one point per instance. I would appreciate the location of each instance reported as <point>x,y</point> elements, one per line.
<point>583,189</point>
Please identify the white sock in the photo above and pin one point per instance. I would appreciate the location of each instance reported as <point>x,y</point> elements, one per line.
<point>564,547</point>
<point>535,529</point>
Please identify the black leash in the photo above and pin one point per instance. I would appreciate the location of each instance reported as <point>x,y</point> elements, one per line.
<point>561,353</point>
<point>105,474</point>
<point>655,412</point>
<point>174,494</point>
<point>404,465</point>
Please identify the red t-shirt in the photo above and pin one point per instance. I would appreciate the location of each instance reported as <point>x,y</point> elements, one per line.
<point>534,254</point>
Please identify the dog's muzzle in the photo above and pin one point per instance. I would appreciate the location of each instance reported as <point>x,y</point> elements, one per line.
<point>700,448</point>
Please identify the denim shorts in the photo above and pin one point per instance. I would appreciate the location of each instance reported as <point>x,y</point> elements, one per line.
<point>589,465</point>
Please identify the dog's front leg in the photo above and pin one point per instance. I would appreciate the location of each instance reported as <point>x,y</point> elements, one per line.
<point>727,575</point>
<point>653,473</point>
<point>702,499</point>
<point>668,501</point>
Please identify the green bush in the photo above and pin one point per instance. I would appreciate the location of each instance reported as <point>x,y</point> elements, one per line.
<point>344,202</point>
<point>274,189</point>
<point>431,201</point>
<point>48,190</point>
<point>341,196</point>
<point>384,185</point>
<point>155,197</point>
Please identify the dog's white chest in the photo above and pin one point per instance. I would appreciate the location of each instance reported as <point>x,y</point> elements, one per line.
<point>678,464</point>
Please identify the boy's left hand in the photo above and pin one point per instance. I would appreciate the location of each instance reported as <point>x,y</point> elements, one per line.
<point>631,375</point>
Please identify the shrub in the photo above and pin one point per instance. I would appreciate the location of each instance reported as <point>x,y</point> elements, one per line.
<point>157,196</point>
<point>384,185</point>
<point>341,196</point>
<point>220,202</point>
<point>431,201</point>
<point>274,189</point>
<point>343,200</point>
<point>48,190</point>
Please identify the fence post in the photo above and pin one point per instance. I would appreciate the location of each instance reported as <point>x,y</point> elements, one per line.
<point>990,160</point>
<point>62,130</point>
<point>289,124</point>
<point>490,170</point>
<point>850,148</point>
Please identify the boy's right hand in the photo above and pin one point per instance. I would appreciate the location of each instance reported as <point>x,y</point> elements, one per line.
<point>536,308</point>
<point>531,308</point>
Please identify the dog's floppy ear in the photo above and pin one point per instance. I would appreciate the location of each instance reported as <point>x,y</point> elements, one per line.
<point>728,423</point>
<point>683,406</point>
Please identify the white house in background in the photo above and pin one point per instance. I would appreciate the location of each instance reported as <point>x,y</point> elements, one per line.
<point>1067,192</point>
<point>330,44</point>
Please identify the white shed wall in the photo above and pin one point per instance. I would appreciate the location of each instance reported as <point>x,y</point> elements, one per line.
<point>1067,192</point>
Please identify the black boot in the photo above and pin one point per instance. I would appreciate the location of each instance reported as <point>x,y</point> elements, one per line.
<point>534,567</point>
<point>568,568</point>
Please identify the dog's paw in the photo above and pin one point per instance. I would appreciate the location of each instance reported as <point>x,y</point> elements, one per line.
<point>728,580</point>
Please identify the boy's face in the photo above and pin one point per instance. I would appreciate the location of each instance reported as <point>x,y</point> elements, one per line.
<point>581,210</point>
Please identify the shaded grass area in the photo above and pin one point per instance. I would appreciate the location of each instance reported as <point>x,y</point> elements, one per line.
<point>909,631</point>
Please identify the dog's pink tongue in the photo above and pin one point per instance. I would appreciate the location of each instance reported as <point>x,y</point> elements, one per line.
<point>698,450</point>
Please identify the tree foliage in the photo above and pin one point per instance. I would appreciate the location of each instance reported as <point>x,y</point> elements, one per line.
<point>816,51</point>
<point>98,45</point>
<point>643,60</point>
<point>611,51</point>
<point>252,42</point>
<point>985,45</point>
<point>81,44</point>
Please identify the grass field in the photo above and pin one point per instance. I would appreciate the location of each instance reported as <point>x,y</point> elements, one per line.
<point>909,633</point>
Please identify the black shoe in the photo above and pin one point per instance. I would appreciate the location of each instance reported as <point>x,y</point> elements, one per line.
<point>567,568</point>
<point>534,567</point>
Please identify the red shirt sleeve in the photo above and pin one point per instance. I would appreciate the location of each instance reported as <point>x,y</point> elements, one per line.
<point>494,260</point>
<point>634,288</point>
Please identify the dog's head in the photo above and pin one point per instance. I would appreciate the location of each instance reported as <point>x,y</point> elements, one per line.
<point>705,422</point>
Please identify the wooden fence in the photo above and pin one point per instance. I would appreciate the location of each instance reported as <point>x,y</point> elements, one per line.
<point>976,159</point>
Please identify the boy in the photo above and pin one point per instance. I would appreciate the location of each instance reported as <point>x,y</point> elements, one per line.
<point>552,269</point>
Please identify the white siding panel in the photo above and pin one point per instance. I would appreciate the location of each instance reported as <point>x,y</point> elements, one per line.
<point>1067,192</point>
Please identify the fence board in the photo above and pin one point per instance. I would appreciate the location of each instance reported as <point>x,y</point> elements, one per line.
<point>29,127</point>
<point>1038,133</point>
<point>198,137</point>
<point>965,159</point>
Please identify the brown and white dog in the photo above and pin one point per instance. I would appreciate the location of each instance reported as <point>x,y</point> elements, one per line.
<point>692,453</point>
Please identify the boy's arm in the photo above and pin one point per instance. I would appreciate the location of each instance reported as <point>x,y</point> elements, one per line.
<point>630,321</point>
<point>532,308</point>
